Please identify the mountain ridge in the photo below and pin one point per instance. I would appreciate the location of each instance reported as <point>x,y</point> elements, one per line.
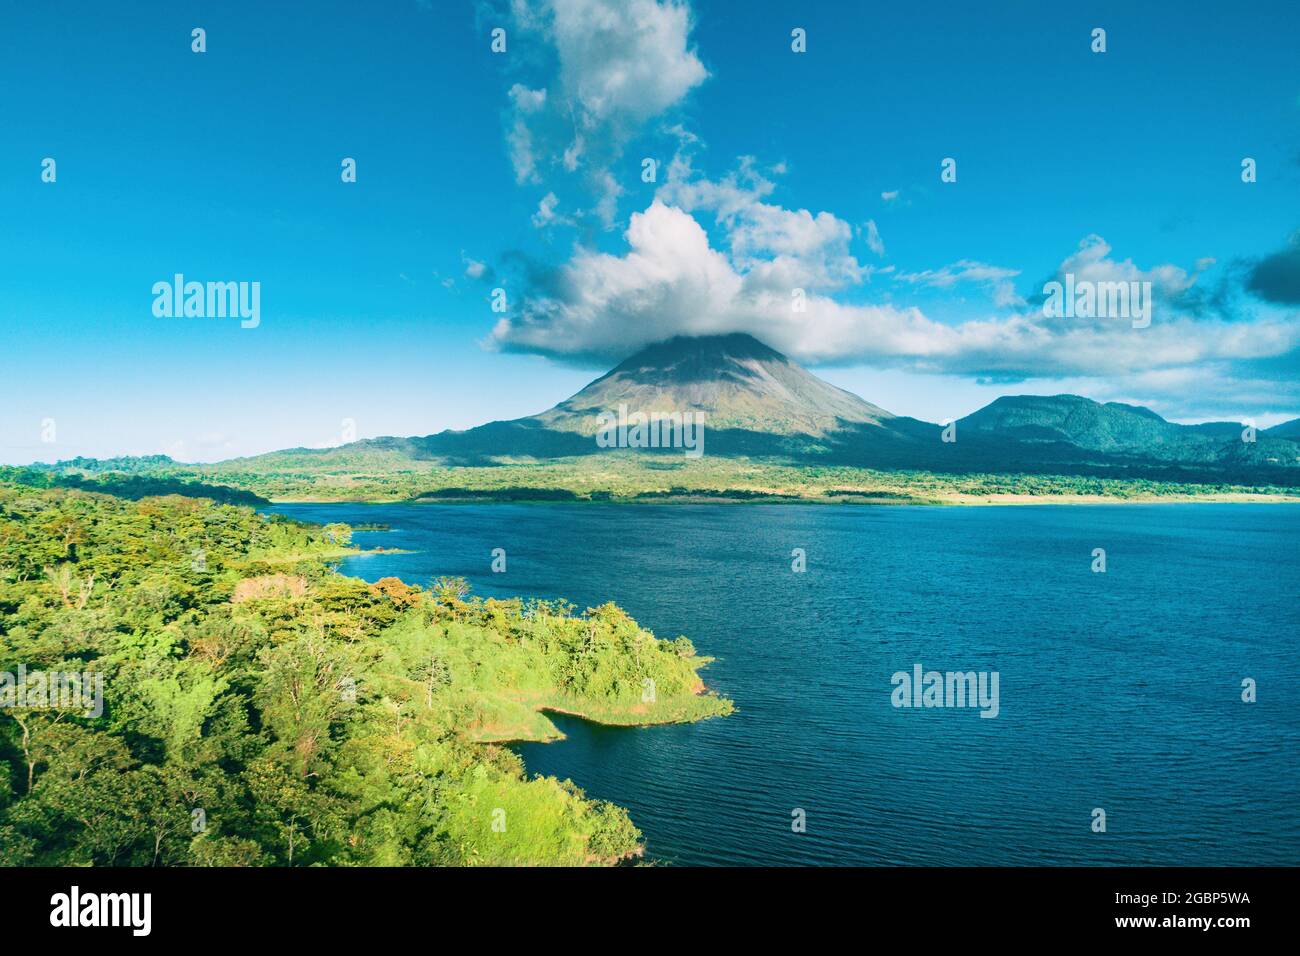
<point>759,404</point>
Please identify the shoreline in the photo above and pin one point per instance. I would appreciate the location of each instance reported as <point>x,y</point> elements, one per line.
<point>587,718</point>
<point>954,500</point>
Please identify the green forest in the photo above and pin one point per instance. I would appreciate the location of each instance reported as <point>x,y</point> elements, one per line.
<point>341,475</point>
<point>260,709</point>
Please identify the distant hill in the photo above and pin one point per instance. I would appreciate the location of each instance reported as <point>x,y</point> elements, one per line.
<point>760,405</point>
<point>1289,430</point>
<point>1077,428</point>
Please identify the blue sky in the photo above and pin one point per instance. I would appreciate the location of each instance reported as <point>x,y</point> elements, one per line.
<point>522,170</point>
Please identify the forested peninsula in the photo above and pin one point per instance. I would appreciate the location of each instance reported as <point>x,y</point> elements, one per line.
<point>259,708</point>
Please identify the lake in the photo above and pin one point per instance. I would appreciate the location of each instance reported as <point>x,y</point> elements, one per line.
<point>1119,691</point>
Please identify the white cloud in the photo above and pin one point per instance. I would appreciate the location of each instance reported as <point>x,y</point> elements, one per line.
<point>623,60</point>
<point>778,247</point>
<point>1092,262</point>
<point>671,281</point>
<point>546,214</point>
<point>965,270</point>
<point>620,64</point>
<point>526,100</point>
<point>872,236</point>
<point>609,191</point>
<point>995,278</point>
<point>520,138</point>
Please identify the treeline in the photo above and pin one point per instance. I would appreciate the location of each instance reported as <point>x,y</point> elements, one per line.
<point>626,478</point>
<point>382,475</point>
<point>133,484</point>
<point>258,708</point>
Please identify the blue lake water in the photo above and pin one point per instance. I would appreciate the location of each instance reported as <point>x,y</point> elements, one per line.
<point>1119,690</point>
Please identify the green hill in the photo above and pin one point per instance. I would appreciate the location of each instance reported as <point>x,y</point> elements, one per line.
<point>1289,430</point>
<point>1071,430</point>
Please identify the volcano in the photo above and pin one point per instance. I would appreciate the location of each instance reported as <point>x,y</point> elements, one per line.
<point>754,400</point>
<point>759,404</point>
<point>735,380</point>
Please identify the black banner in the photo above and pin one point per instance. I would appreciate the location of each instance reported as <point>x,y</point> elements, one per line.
<point>183,905</point>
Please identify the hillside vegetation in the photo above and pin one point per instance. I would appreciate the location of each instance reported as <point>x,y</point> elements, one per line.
<point>630,477</point>
<point>261,709</point>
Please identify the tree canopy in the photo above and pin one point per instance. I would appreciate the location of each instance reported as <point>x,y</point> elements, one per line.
<point>261,709</point>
